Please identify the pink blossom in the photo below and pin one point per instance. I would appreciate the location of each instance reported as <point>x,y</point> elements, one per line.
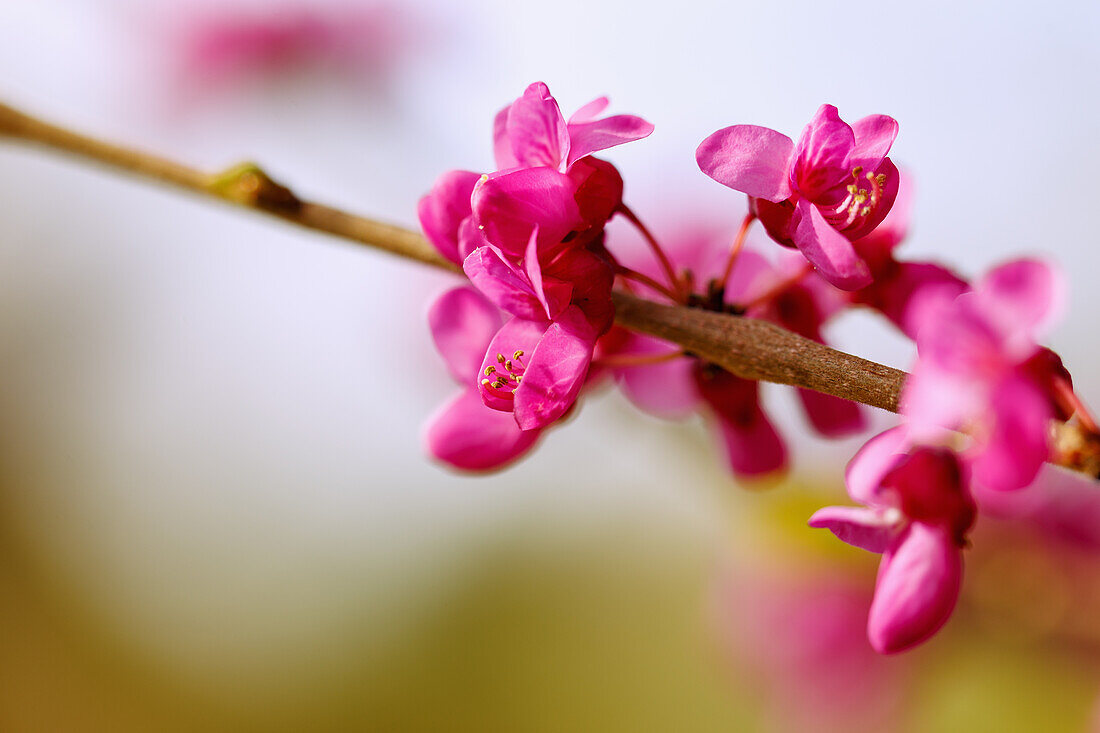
<point>546,178</point>
<point>1063,506</point>
<point>917,512</point>
<point>545,168</point>
<point>536,364</point>
<point>800,635</point>
<point>446,215</point>
<point>464,433</point>
<point>788,295</point>
<point>532,132</point>
<point>836,185</point>
<point>980,370</point>
<point>893,291</point>
<point>216,45</point>
<point>530,239</point>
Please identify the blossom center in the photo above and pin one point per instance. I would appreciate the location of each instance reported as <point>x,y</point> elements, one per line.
<point>504,379</point>
<point>860,201</point>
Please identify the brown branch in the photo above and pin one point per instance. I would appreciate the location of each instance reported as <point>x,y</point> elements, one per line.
<point>245,185</point>
<point>748,348</point>
<point>760,350</point>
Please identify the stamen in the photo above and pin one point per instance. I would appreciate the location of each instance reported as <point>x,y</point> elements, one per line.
<point>506,374</point>
<point>859,202</point>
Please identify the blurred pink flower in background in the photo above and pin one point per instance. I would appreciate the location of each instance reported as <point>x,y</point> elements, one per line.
<point>1061,506</point>
<point>917,512</point>
<point>979,367</point>
<point>802,637</point>
<point>210,48</point>
<point>895,282</point>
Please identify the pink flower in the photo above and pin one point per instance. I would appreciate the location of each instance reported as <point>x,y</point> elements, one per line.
<point>789,295</point>
<point>530,238</point>
<point>800,635</point>
<point>464,433</point>
<point>546,178</point>
<point>545,168</point>
<point>216,45</point>
<point>917,512</point>
<point>532,132</point>
<point>446,215</point>
<point>538,361</point>
<point>893,291</point>
<point>1063,506</point>
<point>836,185</point>
<point>979,370</point>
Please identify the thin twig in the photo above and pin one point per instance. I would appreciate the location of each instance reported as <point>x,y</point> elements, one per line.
<point>749,348</point>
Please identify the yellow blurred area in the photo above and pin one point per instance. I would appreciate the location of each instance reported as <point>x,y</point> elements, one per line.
<point>542,630</point>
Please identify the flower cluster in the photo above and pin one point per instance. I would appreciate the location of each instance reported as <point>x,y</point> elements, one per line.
<point>529,236</point>
<point>534,326</point>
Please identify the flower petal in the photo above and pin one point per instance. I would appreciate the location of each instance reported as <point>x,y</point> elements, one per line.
<point>933,487</point>
<point>463,322</point>
<point>864,225</point>
<point>517,334</point>
<point>470,237</point>
<point>933,400</point>
<point>590,111</point>
<point>875,134</point>
<point>586,138</point>
<point>832,416</point>
<point>872,462</point>
<point>467,435</point>
<point>553,295</point>
<point>750,159</point>
<point>1024,295</point>
<point>537,129</point>
<point>502,144</point>
<point>555,372</point>
<point>894,293</point>
<point>918,585</point>
<point>828,250</point>
<point>666,389</point>
<point>509,288</point>
<point>509,204</point>
<point>822,157</point>
<point>751,443</point>
<point>1018,444</point>
<point>591,278</point>
<point>443,210</point>
<point>868,529</point>
<point>752,446</point>
<point>778,219</point>
<point>599,190</point>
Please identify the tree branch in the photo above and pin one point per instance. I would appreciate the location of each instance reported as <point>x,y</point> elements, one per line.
<point>746,347</point>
